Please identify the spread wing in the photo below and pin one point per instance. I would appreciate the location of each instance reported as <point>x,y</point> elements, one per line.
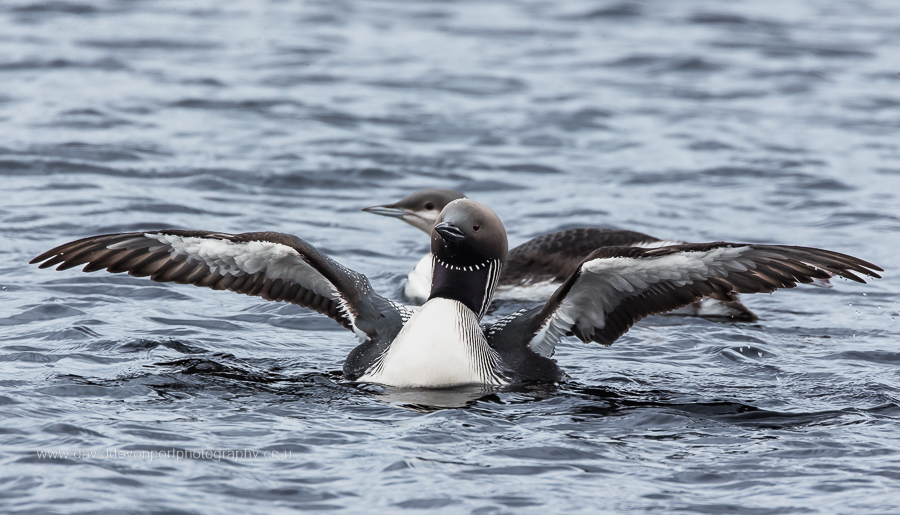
<point>614,287</point>
<point>557,255</point>
<point>271,265</point>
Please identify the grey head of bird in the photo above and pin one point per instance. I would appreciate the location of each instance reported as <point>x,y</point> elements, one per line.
<point>469,246</point>
<point>419,209</point>
<point>468,235</point>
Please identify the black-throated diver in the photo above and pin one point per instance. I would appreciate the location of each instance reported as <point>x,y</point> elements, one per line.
<point>443,343</point>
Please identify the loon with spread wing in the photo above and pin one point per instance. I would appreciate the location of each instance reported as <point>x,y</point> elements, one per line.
<point>535,269</point>
<point>443,343</point>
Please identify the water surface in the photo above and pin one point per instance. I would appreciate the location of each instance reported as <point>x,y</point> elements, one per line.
<point>754,121</point>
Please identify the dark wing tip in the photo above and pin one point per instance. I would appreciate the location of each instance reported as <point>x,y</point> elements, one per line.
<point>49,259</point>
<point>852,277</point>
<point>861,267</point>
<point>44,257</point>
<point>872,269</point>
<point>66,251</point>
<point>847,264</point>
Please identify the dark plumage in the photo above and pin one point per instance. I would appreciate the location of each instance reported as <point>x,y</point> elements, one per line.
<point>554,256</point>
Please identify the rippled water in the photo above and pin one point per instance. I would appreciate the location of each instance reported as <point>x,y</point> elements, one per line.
<point>757,121</point>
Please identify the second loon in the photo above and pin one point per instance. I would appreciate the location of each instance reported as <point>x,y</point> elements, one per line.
<point>535,269</point>
<point>443,343</point>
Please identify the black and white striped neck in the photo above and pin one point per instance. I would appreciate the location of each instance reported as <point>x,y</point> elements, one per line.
<point>471,285</point>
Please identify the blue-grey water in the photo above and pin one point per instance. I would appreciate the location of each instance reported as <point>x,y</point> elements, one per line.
<point>700,120</point>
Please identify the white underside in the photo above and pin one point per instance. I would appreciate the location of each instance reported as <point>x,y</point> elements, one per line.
<point>431,350</point>
<point>418,282</point>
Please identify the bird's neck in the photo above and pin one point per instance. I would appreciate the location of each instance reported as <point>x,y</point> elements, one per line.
<point>473,286</point>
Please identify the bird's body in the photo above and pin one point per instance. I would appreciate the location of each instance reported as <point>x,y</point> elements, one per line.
<point>444,343</point>
<point>441,345</point>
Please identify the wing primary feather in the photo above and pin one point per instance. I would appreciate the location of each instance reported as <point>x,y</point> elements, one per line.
<point>771,278</point>
<point>264,289</point>
<point>195,275</point>
<point>133,263</point>
<point>164,266</point>
<point>176,272</point>
<point>276,289</point>
<point>80,257</point>
<point>64,253</point>
<point>237,285</point>
<point>121,257</point>
<point>291,292</point>
<point>100,259</point>
<point>151,266</point>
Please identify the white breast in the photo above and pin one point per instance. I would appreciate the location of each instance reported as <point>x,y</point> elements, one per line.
<point>418,282</point>
<point>442,345</point>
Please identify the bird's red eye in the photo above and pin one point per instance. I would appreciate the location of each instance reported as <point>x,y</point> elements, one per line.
<point>476,227</point>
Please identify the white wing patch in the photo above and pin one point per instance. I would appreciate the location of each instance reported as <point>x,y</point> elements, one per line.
<point>275,260</point>
<point>657,244</point>
<point>605,282</point>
